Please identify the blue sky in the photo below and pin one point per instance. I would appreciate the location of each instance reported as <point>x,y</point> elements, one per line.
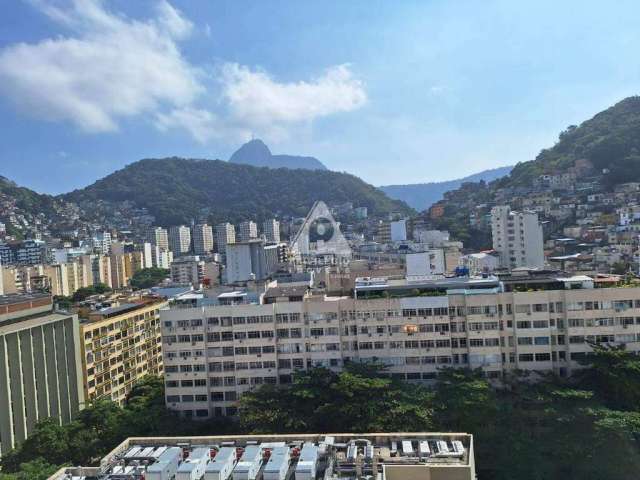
<point>394,92</point>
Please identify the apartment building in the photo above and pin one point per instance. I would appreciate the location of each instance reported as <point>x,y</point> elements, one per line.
<point>194,271</point>
<point>159,237</point>
<point>120,345</point>
<point>271,230</point>
<point>102,242</point>
<point>180,240</point>
<point>253,260</point>
<point>534,322</point>
<point>26,252</point>
<point>225,234</point>
<point>517,237</point>
<point>202,239</point>
<point>39,366</point>
<point>247,231</point>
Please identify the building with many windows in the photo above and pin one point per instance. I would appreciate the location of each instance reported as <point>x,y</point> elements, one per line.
<point>180,240</point>
<point>517,237</point>
<point>225,234</point>
<point>247,231</point>
<point>120,345</point>
<point>271,230</point>
<point>202,239</point>
<point>538,321</point>
<point>39,366</point>
<point>159,237</point>
<point>26,252</point>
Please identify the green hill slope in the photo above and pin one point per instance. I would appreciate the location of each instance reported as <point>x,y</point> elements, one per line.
<point>175,190</point>
<point>610,140</point>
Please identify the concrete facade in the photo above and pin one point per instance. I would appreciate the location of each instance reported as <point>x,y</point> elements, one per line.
<point>39,366</point>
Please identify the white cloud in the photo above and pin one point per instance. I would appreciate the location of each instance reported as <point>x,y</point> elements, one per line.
<point>256,99</point>
<point>111,67</point>
<point>203,125</point>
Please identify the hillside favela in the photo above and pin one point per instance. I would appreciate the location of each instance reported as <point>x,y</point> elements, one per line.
<point>281,240</point>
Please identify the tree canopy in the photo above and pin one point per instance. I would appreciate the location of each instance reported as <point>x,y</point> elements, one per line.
<point>148,277</point>
<point>586,427</point>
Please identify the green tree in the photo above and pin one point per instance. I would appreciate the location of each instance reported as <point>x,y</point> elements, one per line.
<point>37,469</point>
<point>148,277</point>
<point>614,376</point>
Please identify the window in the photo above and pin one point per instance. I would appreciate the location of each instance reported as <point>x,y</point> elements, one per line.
<point>542,340</point>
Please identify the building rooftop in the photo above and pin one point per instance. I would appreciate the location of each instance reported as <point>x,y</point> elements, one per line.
<point>22,298</point>
<point>19,306</point>
<point>385,456</point>
<point>123,308</point>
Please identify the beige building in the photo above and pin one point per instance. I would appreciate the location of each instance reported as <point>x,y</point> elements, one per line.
<point>212,354</point>
<point>39,366</point>
<point>120,345</point>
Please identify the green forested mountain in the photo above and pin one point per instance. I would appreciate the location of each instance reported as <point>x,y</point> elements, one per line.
<point>175,190</point>
<point>610,140</point>
<point>26,199</point>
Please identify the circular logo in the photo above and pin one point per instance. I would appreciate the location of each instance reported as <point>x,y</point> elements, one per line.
<point>321,229</point>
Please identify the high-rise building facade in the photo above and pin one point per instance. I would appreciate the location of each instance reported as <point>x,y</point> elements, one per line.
<point>39,366</point>
<point>247,231</point>
<point>102,242</point>
<point>225,234</point>
<point>26,252</point>
<point>250,261</point>
<point>517,237</point>
<point>202,239</point>
<point>188,270</point>
<point>159,237</point>
<point>271,230</point>
<point>120,345</point>
<point>180,240</point>
<point>414,328</point>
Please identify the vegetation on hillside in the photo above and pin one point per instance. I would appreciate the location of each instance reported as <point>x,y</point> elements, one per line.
<point>148,277</point>
<point>610,140</point>
<point>583,428</point>
<point>25,198</point>
<point>176,190</point>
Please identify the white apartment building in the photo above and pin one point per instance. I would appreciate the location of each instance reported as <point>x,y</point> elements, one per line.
<point>161,258</point>
<point>246,261</point>
<point>180,240</point>
<point>159,237</point>
<point>102,242</point>
<point>202,239</point>
<point>225,234</point>
<point>517,237</point>
<point>271,230</point>
<point>212,354</point>
<point>247,231</point>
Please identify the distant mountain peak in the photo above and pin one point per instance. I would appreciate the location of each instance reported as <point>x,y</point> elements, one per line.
<point>257,154</point>
<point>251,152</point>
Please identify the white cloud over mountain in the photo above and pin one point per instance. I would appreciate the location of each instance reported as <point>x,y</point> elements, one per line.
<point>108,67</point>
